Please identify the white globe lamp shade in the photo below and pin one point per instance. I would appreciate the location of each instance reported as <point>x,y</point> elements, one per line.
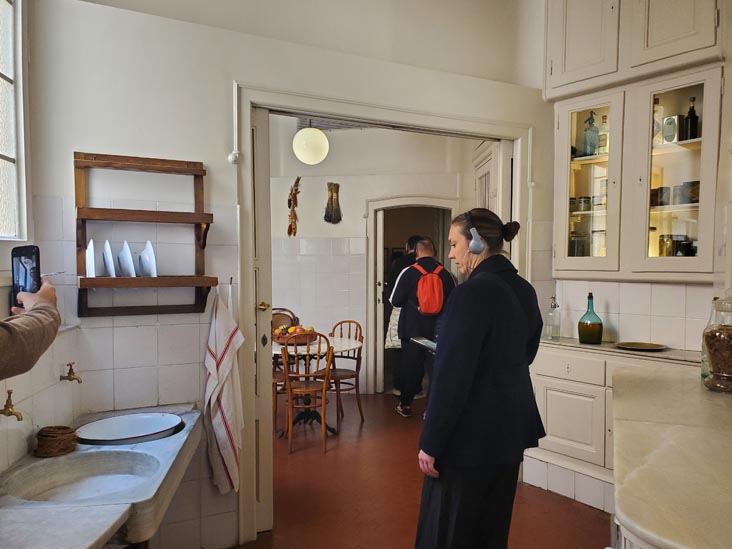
<point>310,146</point>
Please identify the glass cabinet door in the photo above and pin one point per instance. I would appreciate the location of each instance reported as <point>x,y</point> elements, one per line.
<point>678,178</point>
<point>589,134</point>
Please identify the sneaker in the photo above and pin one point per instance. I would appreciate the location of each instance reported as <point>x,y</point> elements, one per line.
<point>424,415</point>
<point>421,394</point>
<point>405,411</point>
<point>396,392</point>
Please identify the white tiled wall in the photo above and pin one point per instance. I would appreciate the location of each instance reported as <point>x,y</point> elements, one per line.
<point>671,314</point>
<point>323,280</point>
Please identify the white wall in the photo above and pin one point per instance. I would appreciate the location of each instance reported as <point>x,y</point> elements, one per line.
<point>493,39</point>
<point>106,80</point>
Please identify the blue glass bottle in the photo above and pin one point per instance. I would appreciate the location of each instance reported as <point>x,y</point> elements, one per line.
<point>590,325</point>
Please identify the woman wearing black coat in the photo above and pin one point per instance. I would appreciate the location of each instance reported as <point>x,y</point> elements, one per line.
<point>482,414</point>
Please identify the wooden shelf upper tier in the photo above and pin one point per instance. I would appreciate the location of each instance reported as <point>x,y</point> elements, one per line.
<point>148,216</point>
<point>137,164</point>
<point>148,282</point>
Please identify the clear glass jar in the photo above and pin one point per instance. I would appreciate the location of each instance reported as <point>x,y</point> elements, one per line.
<point>552,321</point>
<point>718,340</point>
<point>704,355</point>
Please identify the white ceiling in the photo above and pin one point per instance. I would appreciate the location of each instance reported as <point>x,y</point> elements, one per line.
<point>494,39</point>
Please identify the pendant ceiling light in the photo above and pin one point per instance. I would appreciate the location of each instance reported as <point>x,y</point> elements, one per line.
<point>310,145</point>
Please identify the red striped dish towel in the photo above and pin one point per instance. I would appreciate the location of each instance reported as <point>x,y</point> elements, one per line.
<point>222,415</point>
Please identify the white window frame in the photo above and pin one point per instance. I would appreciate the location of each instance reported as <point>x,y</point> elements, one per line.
<point>21,133</point>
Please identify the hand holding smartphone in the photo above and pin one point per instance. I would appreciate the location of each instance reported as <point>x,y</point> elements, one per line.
<point>26,271</point>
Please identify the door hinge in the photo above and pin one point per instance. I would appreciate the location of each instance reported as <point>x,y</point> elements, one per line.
<point>716,18</point>
<point>551,65</point>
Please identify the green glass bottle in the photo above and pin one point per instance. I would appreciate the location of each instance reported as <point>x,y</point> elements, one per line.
<point>590,325</point>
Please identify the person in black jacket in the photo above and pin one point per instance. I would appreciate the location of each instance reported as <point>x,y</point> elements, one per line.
<point>413,323</point>
<point>482,413</point>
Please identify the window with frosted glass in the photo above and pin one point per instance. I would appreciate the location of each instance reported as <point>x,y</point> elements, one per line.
<point>9,226</point>
<point>588,173</point>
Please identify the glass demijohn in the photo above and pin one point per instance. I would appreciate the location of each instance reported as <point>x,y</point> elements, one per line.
<point>590,325</point>
<point>718,340</point>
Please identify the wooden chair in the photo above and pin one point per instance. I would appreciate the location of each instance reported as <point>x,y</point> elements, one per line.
<point>346,379</point>
<point>280,317</point>
<point>306,371</point>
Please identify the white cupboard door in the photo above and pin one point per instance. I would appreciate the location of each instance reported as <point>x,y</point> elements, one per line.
<point>673,189</point>
<point>588,162</point>
<point>664,28</point>
<point>582,40</point>
<point>574,418</point>
<point>608,428</point>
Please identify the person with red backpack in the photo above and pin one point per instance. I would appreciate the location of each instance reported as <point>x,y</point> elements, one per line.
<point>421,290</point>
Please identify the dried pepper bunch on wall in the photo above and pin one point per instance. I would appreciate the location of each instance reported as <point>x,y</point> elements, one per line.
<point>333,207</point>
<point>292,205</point>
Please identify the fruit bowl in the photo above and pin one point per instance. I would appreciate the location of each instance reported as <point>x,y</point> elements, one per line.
<point>300,338</point>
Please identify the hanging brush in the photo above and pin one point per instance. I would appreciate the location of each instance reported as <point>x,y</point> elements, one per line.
<point>328,217</point>
<point>336,216</point>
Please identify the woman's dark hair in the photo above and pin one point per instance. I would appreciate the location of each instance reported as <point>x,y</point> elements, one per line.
<point>489,227</point>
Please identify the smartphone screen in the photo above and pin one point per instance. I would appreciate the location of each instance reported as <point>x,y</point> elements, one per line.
<point>26,271</point>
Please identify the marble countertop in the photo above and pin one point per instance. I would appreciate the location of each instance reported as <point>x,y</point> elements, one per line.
<point>675,355</point>
<point>92,521</point>
<point>673,442</point>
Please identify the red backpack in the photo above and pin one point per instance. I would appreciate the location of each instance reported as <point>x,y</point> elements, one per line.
<point>429,291</point>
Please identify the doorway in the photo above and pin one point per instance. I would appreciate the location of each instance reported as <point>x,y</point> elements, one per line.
<point>399,224</point>
<point>258,228</point>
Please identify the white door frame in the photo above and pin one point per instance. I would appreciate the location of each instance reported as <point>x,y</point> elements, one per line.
<point>375,345</point>
<point>246,96</point>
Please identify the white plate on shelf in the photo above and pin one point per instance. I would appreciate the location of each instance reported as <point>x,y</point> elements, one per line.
<point>108,259</point>
<point>90,268</point>
<point>129,428</point>
<point>148,267</point>
<point>126,265</point>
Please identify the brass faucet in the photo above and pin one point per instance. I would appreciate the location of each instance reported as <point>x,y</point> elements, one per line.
<point>8,410</point>
<point>71,376</point>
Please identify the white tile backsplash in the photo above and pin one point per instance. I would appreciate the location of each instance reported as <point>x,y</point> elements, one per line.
<point>635,299</point>
<point>135,346</point>
<point>178,344</point>
<point>96,392</point>
<point>96,348</point>
<point>635,328</point>
<point>179,383</point>
<point>668,331</point>
<point>668,300</point>
<point>699,301</point>
<point>135,387</point>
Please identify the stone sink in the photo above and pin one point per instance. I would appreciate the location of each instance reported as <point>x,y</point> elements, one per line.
<point>96,493</point>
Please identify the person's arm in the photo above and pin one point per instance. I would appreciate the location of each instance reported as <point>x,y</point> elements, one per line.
<point>532,345</point>
<point>24,338</point>
<point>400,293</point>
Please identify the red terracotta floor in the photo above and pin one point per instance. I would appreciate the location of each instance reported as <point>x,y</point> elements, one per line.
<point>364,492</point>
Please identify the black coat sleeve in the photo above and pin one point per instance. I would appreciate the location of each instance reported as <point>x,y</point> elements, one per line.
<point>464,326</point>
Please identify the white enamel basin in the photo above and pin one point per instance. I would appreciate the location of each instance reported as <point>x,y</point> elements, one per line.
<point>81,476</point>
<point>129,429</point>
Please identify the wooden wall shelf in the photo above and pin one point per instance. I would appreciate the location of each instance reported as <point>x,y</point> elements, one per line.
<point>200,220</point>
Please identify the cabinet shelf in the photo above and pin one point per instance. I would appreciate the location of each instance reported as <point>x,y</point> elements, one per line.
<point>674,208</point>
<point>681,146</point>
<point>588,213</point>
<point>197,281</point>
<point>594,159</point>
<point>142,216</point>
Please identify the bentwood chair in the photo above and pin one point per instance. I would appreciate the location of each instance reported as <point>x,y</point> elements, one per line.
<point>307,363</point>
<point>344,378</point>
<point>280,317</point>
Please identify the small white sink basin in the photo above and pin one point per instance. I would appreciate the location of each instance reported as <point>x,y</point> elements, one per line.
<point>129,429</point>
<point>81,476</point>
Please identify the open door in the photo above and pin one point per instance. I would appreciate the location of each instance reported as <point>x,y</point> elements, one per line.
<point>380,301</point>
<point>262,273</point>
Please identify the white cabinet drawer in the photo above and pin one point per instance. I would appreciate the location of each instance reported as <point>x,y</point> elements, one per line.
<point>575,366</point>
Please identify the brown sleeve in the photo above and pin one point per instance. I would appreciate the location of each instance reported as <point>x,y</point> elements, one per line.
<point>24,338</point>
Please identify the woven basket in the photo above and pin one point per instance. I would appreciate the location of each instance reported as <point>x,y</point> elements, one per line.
<point>300,338</point>
<point>55,440</point>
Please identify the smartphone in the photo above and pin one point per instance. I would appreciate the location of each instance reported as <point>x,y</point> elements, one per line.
<point>426,343</point>
<point>26,271</point>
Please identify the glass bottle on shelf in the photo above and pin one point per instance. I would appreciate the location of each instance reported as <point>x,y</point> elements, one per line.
<point>552,320</point>
<point>718,339</point>
<point>590,325</point>
<point>691,128</point>
<point>592,134</point>
<point>603,140</point>
<point>704,354</point>
<point>657,121</point>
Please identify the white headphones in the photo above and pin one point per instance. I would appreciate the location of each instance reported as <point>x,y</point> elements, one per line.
<point>476,245</point>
